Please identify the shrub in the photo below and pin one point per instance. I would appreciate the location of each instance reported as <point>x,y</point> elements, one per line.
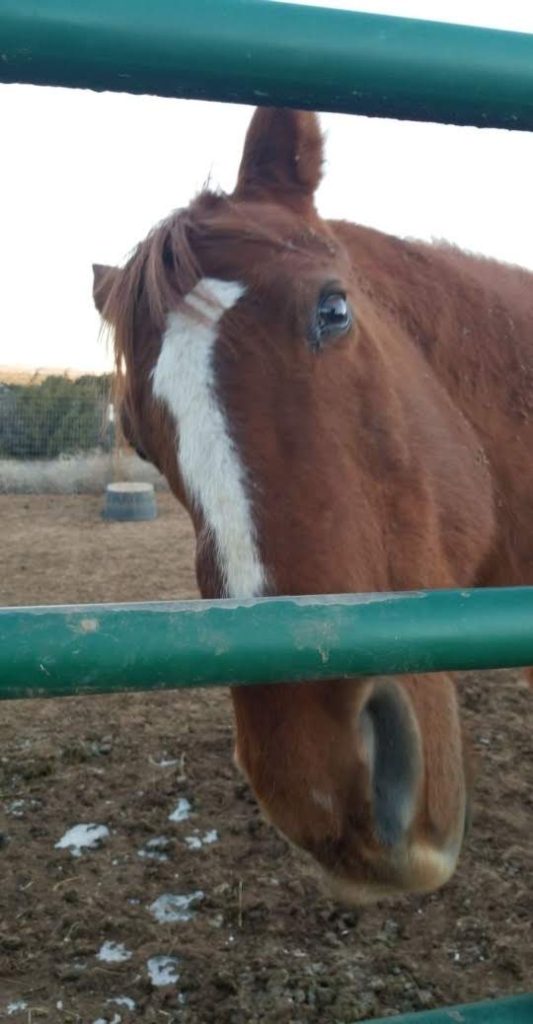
<point>56,416</point>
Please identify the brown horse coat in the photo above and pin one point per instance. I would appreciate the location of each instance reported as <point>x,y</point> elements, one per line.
<point>340,411</point>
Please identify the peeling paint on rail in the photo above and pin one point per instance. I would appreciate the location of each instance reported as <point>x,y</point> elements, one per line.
<point>77,649</point>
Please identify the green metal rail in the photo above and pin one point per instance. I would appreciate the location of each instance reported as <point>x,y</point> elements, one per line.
<point>513,1010</point>
<point>258,52</point>
<point>80,649</point>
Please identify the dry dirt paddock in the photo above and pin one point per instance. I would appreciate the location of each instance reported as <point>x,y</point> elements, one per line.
<point>189,908</point>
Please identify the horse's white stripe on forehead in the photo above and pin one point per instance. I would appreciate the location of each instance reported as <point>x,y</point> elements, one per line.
<point>184,379</point>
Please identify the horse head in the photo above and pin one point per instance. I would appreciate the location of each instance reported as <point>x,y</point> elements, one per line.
<point>264,380</point>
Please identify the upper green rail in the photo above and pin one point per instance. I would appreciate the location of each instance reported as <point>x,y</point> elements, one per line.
<point>260,52</point>
<point>79,649</point>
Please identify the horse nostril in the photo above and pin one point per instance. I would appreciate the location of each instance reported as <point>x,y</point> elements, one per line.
<point>393,751</point>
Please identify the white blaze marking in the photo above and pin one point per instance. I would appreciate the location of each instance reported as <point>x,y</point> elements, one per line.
<point>184,379</point>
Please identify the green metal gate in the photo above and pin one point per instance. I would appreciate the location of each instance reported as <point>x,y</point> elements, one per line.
<point>259,52</point>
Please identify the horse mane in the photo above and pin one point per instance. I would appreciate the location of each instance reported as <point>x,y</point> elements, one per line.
<point>152,280</point>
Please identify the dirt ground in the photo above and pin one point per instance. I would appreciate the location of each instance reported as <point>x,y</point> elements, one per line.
<point>80,938</point>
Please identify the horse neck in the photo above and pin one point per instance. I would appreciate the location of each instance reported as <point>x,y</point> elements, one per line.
<point>470,317</point>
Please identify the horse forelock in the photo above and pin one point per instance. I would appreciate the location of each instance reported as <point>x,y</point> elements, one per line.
<point>215,232</point>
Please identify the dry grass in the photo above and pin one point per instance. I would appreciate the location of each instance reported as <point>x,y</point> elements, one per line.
<point>81,474</point>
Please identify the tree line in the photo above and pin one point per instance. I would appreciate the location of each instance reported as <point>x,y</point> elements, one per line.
<point>55,416</point>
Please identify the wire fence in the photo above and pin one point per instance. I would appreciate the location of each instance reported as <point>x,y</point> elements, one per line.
<point>56,416</point>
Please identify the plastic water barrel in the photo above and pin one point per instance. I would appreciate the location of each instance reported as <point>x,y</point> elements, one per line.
<point>130,502</point>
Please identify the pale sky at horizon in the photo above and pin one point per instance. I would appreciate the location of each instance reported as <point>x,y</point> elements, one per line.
<point>86,175</point>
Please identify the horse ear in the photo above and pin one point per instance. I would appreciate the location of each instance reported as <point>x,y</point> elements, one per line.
<point>282,157</point>
<point>103,280</point>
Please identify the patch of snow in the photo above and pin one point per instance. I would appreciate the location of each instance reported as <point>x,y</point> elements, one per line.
<point>181,811</point>
<point>82,837</point>
<point>116,1019</point>
<point>16,1007</point>
<point>172,907</point>
<point>59,1004</point>
<point>196,841</point>
<point>162,970</point>
<point>165,762</point>
<point>113,953</point>
<point>18,808</point>
<point>126,1001</point>
<point>154,849</point>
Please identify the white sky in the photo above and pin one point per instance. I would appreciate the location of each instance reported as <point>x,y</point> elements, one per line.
<point>86,175</point>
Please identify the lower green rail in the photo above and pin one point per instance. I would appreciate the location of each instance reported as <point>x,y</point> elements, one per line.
<point>514,1010</point>
<point>83,649</point>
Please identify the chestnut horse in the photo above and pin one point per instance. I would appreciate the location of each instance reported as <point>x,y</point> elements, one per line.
<point>339,411</point>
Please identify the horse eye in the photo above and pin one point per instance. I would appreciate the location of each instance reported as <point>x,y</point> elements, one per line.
<point>334,316</point>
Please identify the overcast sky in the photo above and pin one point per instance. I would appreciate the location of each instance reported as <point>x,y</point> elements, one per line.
<point>86,175</point>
